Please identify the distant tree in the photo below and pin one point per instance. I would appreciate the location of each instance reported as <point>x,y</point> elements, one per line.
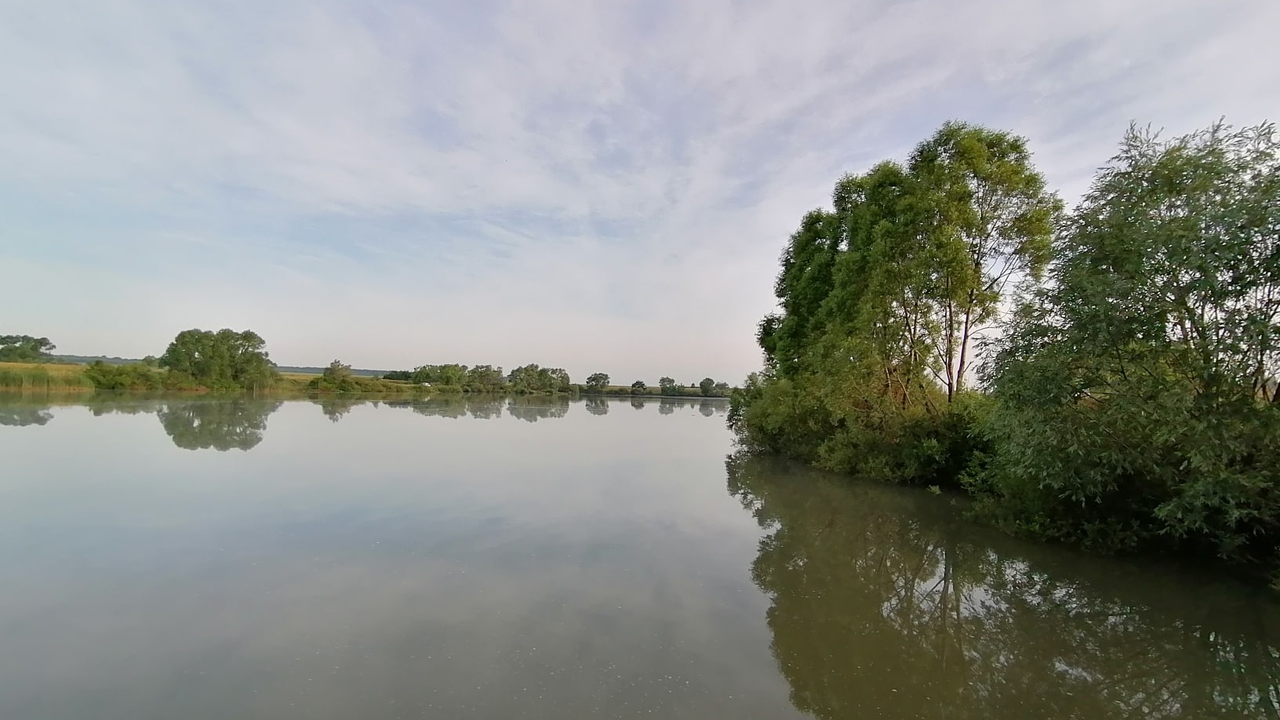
<point>400,375</point>
<point>221,360</point>
<point>335,378</point>
<point>667,386</point>
<point>534,379</point>
<point>526,379</point>
<point>337,371</point>
<point>151,361</point>
<point>597,382</point>
<point>639,388</point>
<point>24,348</point>
<point>449,375</point>
<point>707,386</point>
<point>484,378</point>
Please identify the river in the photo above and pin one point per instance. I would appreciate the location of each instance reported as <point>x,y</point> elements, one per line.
<point>539,558</point>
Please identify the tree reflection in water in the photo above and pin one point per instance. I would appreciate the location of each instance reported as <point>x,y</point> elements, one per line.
<point>17,415</point>
<point>481,407</point>
<point>335,407</point>
<point>218,424</point>
<point>886,604</point>
<point>535,408</point>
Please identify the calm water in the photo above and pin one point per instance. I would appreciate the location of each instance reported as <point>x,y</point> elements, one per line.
<point>535,559</point>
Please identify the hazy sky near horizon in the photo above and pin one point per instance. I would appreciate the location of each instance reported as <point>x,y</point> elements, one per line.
<point>590,185</point>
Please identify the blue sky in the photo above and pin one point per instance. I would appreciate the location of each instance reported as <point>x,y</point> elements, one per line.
<point>591,185</point>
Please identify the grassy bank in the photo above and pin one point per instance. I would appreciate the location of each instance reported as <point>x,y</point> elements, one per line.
<point>34,377</point>
<point>136,378</point>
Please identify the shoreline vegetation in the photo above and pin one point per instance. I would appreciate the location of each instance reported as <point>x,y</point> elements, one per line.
<point>1103,377</point>
<point>227,361</point>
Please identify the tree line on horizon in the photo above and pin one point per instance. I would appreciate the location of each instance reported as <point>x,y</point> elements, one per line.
<point>1125,351</point>
<point>229,360</point>
<point>533,378</point>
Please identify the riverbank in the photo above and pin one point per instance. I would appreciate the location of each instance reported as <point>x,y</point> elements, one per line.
<point>141,379</point>
<point>138,378</point>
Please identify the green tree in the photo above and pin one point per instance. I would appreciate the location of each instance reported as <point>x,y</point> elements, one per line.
<point>597,382</point>
<point>337,377</point>
<point>990,222</point>
<point>668,386</point>
<point>221,360</point>
<point>1133,396</point>
<point>24,348</point>
<point>806,279</point>
<point>707,386</point>
<point>881,299</point>
<point>337,372</point>
<point>448,375</point>
<point>484,379</point>
<point>639,388</point>
<point>529,379</point>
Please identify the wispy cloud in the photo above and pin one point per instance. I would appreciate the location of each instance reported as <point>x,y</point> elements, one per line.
<point>592,185</point>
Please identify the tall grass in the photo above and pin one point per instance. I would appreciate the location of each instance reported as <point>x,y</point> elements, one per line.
<point>38,378</point>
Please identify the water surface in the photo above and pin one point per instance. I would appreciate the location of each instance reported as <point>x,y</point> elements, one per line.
<point>531,558</point>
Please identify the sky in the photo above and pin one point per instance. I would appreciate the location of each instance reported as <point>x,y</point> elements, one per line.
<point>598,186</point>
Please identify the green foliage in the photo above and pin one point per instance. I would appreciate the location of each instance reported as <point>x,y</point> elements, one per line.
<point>449,375</point>
<point>40,379</point>
<point>24,348</point>
<point>336,378</point>
<point>485,379</point>
<point>667,386</point>
<point>127,377</point>
<point>1135,402</point>
<point>989,222</point>
<point>880,301</point>
<point>339,378</point>
<point>1133,395</point>
<point>222,360</point>
<point>639,388</point>
<point>531,379</point>
<point>597,382</point>
<point>711,388</point>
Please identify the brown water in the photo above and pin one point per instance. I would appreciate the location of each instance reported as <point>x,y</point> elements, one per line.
<point>473,558</point>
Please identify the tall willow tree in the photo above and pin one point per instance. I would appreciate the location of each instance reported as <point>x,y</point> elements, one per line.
<point>1136,391</point>
<point>805,281</point>
<point>881,297</point>
<point>989,221</point>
